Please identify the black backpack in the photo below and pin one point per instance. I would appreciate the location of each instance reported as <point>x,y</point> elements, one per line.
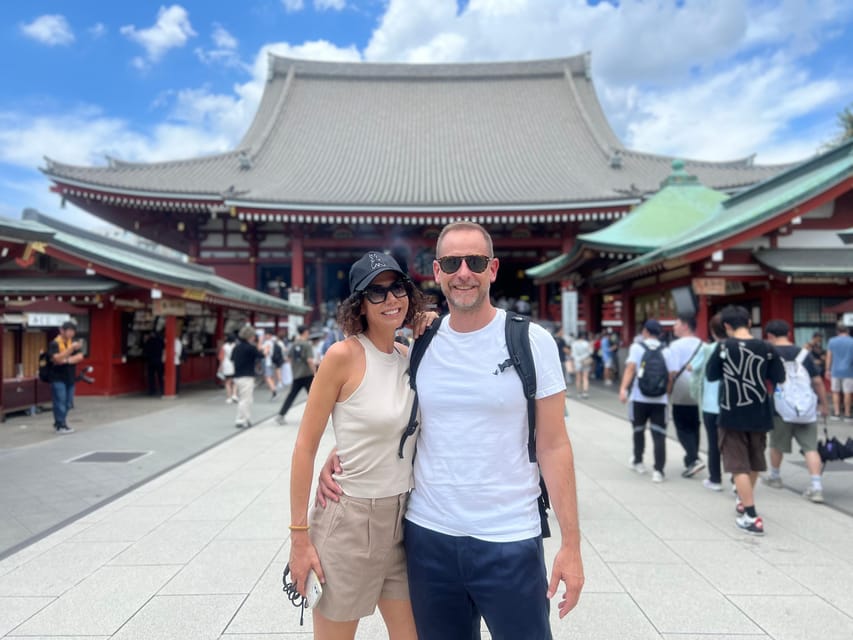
<point>45,365</point>
<point>277,354</point>
<point>652,374</point>
<point>521,359</point>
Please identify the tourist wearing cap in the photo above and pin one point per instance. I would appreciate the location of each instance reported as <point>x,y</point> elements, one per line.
<point>356,545</point>
<point>64,353</point>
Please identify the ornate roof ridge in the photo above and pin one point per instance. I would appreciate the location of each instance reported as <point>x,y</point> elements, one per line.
<point>116,164</point>
<point>737,163</point>
<point>578,64</point>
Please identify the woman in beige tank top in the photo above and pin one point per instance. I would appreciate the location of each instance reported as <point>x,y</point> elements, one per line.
<point>355,545</point>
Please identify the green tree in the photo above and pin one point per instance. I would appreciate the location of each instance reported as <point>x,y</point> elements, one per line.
<point>845,124</point>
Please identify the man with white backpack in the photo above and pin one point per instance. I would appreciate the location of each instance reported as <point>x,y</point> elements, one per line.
<point>797,403</point>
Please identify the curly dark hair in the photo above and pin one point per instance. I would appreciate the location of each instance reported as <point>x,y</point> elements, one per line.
<point>351,321</point>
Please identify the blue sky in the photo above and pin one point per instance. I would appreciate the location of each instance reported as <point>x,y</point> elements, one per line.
<point>145,81</point>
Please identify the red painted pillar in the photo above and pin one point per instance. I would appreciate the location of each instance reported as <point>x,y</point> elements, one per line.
<point>169,368</point>
<point>543,302</point>
<point>319,293</point>
<point>2,415</point>
<point>702,317</point>
<point>297,263</point>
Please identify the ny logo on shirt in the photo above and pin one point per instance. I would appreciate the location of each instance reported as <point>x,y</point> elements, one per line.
<point>744,379</point>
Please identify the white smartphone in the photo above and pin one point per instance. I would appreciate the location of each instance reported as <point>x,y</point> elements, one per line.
<point>313,589</point>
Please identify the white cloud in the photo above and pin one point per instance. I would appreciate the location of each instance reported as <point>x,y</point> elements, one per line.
<point>335,5</point>
<point>224,51</point>
<point>50,29</point>
<point>171,30</point>
<point>97,30</point>
<point>293,5</point>
<point>222,38</point>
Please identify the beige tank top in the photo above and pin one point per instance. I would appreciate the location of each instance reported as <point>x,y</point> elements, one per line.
<point>368,426</point>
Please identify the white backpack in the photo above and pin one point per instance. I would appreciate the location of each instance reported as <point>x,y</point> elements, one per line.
<point>795,400</point>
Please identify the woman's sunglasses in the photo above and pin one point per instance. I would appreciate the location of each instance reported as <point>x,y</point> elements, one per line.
<point>376,293</point>
<point>451,264</point>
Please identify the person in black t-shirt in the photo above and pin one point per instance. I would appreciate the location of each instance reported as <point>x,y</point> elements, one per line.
<point>64,353</point>
<point>805,434</point>
<point>745,366</point>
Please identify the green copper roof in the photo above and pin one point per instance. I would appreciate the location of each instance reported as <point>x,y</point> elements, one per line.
<point>681,204</point>
<point>808,262</point>
<point>139,262</point>
<point>846,236</point>
<point>753,206</point>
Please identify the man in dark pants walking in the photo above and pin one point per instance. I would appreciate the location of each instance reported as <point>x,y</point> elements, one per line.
<point>152,350</point>
<point>685,410</point>
<point>301,356</point>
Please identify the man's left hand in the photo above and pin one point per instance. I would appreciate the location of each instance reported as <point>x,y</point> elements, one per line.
<point>568,569</point>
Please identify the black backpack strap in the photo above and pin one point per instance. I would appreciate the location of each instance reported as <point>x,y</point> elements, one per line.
<point>521,357</point>
<point>518,345</point>
<point>416,354</point>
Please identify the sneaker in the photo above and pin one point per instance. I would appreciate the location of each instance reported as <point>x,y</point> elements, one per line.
<point>835,417</point>
<point>770,481</point>
<point>713,486</point>
<point>64,430</point>
<point>584,395</point>
<point>639,467</point>
<point>279,419</point>
<point>235,399</point>
<point>657,476</point>
<point>739,506</point>
<point>274,395</point>
<point>815,495</point>
<point>753,526</point>
<point>229,401</point>
<point>693,469</point>
<point>848,418</point>
<point>240,425</point>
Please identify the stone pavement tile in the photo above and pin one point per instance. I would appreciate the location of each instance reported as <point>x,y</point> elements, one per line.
<point>783,545</point>
<point>834,584</point>
<point>181,618</point>
<point>218,504</point>
<point>676,599</point>
<point>600,505</point>
<point>626,541</point>
<point>796,617</point>
<point>603,616</point>
<point>127,525</point>
<point>14,611</point>
<point>259,521</point>
<point>714,636</point>
<point>178,491</point>
<point>674,522</point>
<point>173,542</point>
<point>100,604</point>
<point>634,489</point>
<point>224,566</point>
<point>716,561</point>
<point>37,548</point>
<point>59,568</point>
<point>268,636</point>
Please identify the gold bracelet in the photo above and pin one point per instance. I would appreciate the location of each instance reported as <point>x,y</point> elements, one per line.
<point>298,527</point>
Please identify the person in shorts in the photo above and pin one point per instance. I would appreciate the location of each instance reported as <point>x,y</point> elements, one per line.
<point>745,366</point>
<point>839,370</point>
<point>777,332</point>
<point>355,545</point>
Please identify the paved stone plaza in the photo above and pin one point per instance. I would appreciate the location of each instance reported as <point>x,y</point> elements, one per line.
<point>198,551</point>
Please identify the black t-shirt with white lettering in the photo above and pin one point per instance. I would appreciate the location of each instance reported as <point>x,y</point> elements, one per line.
<point>745,368</point>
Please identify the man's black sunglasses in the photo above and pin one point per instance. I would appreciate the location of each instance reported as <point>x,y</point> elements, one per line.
<point>451,264</point>
<point>376,293</point>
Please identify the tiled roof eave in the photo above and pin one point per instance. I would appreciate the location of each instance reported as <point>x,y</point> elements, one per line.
<point>287,207</point>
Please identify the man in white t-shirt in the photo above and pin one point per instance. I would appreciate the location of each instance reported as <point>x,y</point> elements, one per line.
<point>473,535</point>
<point>685,409</point>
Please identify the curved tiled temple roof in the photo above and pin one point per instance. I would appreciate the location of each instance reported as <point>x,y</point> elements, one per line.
<point>352,136</point>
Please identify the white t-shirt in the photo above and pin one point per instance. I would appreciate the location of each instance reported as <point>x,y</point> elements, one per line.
<point>472,473</point>
<point>635,355</point>
<point>681,352</point>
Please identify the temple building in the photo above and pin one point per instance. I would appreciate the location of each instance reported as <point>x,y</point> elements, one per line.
<point>780,248</point>
<point>346,157</point>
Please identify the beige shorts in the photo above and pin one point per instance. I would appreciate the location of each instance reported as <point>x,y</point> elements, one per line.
<point>360,544</point>
<point>841,385</point>
<point>783,432</point>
